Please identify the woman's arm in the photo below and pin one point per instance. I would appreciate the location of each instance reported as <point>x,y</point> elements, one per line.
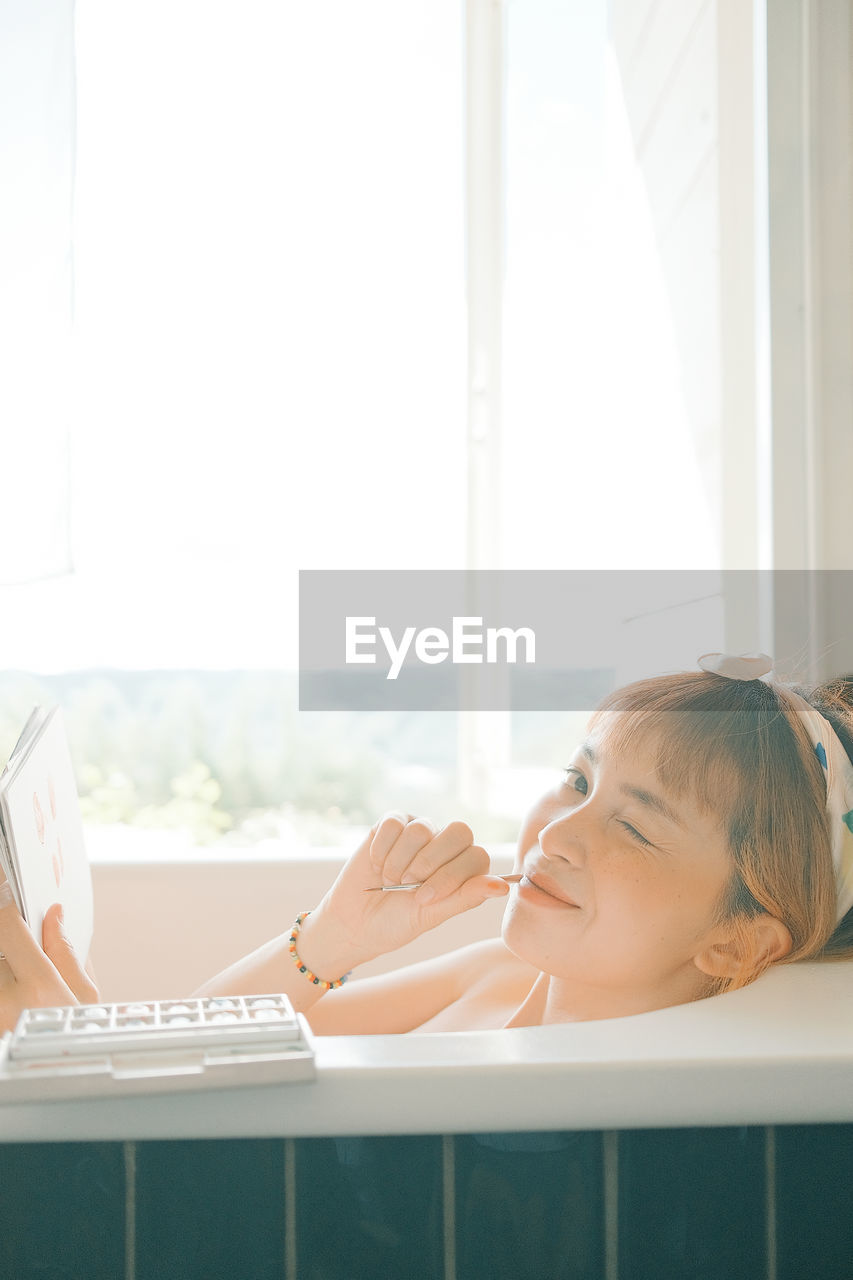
<point>383,1005</point>
<point>407,998</point>
<point>271,968</point>
<point>395,1002</point>
<point>351,926</point>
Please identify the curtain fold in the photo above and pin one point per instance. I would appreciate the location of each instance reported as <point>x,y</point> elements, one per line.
<point>36,281</point>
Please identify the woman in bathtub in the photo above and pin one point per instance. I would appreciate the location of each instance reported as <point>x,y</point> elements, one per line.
<point>702,832</point>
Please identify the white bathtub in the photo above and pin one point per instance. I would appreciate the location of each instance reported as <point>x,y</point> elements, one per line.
<point>779,1051</point>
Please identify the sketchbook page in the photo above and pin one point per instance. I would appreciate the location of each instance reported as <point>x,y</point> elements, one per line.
<point>44,832</point>
<point>26,738</point>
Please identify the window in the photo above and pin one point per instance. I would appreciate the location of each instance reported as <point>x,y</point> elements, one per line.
<point>312,329</point>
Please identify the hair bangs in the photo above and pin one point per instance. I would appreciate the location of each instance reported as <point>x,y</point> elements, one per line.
<point>702,731</point>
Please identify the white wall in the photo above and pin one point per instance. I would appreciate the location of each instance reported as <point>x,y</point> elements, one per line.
<point>810,119</point>
<point>810,182</point>
<point>742,116</point>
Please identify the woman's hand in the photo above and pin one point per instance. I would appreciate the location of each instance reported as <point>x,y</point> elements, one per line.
<point>351,926</point>
<point>31,977</point>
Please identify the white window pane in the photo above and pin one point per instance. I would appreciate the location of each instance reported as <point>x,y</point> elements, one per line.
<point>270,312</point>
<point>603,459</point>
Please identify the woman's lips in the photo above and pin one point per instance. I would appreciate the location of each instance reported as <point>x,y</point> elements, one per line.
<point>545,886</point>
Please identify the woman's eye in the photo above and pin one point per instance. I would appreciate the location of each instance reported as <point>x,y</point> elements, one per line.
<point>635,834</point>
<point>574,778</point>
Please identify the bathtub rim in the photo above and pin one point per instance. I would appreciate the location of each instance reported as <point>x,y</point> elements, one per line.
<point>778,1052</point>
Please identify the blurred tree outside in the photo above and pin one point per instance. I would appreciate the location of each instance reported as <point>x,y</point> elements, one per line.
<point>227,758</point>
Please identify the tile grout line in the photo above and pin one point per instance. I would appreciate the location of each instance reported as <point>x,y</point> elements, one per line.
<point>610,1152</point>
<point>290,1254</point>
<point>770,1199</point>
<point>129,1211</point>
<point>448,1185</point>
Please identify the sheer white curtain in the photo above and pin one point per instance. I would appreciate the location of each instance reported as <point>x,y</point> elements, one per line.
<point>36,181</point>
<point>269,318</point>
<point>270,311</point>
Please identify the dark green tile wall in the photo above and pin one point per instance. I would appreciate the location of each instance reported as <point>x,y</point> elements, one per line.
<point>692,1204</point>
<point>62,1211</point>
<point>814,1202</point>
<point>369,1207</point>
<point>212,1210</point>
<point>686,1204</point>
<point>528,1206</point>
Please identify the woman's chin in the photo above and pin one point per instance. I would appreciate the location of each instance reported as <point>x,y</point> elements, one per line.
<point>521,936</point>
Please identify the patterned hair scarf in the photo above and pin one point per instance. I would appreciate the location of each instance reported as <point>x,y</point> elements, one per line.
<point>837,767</point>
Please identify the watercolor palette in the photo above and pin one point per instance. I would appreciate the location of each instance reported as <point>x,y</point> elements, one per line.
<point>154,1045</point>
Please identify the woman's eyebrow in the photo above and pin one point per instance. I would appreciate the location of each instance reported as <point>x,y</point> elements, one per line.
<point>648,798</point>
<point>655,802</point>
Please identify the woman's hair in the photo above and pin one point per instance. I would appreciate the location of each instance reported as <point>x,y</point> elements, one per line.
<point>739,748</point>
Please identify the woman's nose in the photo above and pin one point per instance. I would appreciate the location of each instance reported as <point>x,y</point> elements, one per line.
<point>564,837</point>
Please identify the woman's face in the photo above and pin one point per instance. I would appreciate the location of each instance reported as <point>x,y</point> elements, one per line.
<point>622,884</point>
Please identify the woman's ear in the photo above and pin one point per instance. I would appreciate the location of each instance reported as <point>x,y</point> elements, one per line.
<point>751,944</point>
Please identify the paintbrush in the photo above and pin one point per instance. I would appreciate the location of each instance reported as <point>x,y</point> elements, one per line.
<point>393,888</point>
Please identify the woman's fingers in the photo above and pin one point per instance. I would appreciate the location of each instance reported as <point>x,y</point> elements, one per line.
<point>23,954</point>
<point>32,977</point>
<point>471,893</point>
<point>59,950</point>
<point>396,845</point>
<point>387,831</point>
<point>454,839</point>
<point>452,875</point>
<point>408,851</point>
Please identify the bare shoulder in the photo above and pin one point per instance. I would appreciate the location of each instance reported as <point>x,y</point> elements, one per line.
<point>488,986</point>
<point>490,964</point>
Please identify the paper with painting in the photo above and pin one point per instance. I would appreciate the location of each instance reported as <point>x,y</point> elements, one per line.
<point>41,832</point>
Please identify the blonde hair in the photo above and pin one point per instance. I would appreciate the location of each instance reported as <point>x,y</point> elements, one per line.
<point>740,750</point>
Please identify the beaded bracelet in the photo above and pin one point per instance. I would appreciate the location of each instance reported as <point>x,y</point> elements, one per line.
<point>303,968</point>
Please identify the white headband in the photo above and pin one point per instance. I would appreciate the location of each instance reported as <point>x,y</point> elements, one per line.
<point>830,752</point>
